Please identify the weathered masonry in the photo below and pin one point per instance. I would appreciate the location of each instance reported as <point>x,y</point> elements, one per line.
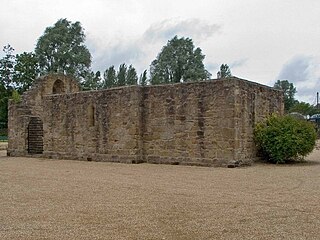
<point>206,123</point>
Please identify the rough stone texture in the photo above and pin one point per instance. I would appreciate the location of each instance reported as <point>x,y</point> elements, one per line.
<point>203,123</point>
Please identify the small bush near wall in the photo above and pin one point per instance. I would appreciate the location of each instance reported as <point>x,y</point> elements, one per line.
<point>284,138</point>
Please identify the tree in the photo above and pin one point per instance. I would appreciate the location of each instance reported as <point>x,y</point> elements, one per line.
<point>6,85</point>
<point>25,71</point>
<point>61,49</point>
<point>3,108</point>
<point>4,97</point>
<point>303,108</point>
<point>132,77</point>
<point>92,81</point>
<point>289,92</point>
<point>143,78</point>
<point>110,77</point>
<point>7,67</point>
<point>178,61</point>
<point>224,72</point>
<point>122,75</point>
<point>17,73</point>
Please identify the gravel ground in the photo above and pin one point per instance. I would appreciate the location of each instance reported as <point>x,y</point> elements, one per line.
<point>59,199</point>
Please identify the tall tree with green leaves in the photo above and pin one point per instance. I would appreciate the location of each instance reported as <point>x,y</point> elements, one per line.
<point>177,62</point>
<point>26,70</point>
<point>225,71</point>
<point>132,77</point>
<point>110,78</point>
<point>6,83</point>
<point>61,49</point>
<point>92,81</point>
<point>7,67</point>
<point>289,91</point>
<point>143,78</point>
<point>122,75</point>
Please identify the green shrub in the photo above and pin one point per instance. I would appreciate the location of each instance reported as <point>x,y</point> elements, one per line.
<point>284,138</point>
<point>16,97</point>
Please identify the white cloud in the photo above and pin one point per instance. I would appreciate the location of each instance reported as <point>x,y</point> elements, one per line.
<point>303,71</point>
<point>193,28</point>
<point>238,63</point>
<point>140,51</point>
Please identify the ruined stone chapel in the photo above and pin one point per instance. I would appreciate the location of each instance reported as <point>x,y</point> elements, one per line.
<point>207,123</point>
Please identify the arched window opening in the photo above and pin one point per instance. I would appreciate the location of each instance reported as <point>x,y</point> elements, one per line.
<point>58,87</point>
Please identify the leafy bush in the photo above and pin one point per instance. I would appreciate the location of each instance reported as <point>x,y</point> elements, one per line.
<point>16,96</point>
<point>284,138</point>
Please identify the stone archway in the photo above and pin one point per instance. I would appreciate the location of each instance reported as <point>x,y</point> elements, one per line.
<point>58,87</point>
<point>35,136</point>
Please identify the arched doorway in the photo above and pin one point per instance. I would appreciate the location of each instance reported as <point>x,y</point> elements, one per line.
<point>35,136</point>
<point>58,87</point>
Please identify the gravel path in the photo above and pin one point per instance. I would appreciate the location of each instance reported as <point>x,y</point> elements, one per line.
<point>59,199</point>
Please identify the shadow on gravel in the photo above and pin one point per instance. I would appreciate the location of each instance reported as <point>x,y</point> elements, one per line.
<point>302,163</point>
<point>290,163</point>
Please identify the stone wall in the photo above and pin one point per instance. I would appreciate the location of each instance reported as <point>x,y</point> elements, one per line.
<point>95,125</point>
<point>203,123</point>
<point>189,123</point>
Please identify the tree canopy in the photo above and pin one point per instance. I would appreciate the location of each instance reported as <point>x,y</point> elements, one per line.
<point>26,70</point>
<point>6,82</point>
<point>7,67</point>
<point>303,108</point>
<point>92,81</point>
<point>131,76</point>
<point>61,49</point>
<point>289,92</point>
<point>143,78</point>
<point>225,71</point>
<point>125,76</point>
<point>177,62</point>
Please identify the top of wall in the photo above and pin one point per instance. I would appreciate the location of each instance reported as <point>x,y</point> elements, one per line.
<point>213,81</point>
<point>57,84</point>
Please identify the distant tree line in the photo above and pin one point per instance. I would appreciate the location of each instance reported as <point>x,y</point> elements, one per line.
<point>125,76</point>
<point>291,104</point>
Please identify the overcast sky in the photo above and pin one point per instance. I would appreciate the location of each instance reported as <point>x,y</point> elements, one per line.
<point>261,40</point>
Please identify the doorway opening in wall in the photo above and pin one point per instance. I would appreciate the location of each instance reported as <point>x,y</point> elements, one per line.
<point>35,136</point>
